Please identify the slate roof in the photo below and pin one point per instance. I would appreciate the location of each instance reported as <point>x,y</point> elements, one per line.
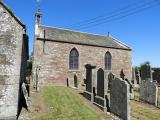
<point>69,36</point>
<point>12,14</point>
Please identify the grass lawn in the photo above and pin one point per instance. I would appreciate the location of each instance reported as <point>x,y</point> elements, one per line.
<point>63,104</point>
<point>142,111</point>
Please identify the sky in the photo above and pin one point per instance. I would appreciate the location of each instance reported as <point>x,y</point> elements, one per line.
<point>140,31</point>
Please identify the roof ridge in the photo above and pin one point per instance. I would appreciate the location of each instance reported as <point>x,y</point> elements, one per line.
<point>12,14</point>
<point>73,30</point>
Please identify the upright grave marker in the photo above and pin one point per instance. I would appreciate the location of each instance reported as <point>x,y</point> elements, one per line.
<point>156,75</point>
<point>149,92</point>
<point>122,75</point>
<point>119,99</point>
<point>99,99</point>
<point>89,82</point>
<point>75,81</point>
<point>138,77</point>
<point>134,76</point>
<point>111,77</point>
<point>100,83</point>
<point>146,72</point>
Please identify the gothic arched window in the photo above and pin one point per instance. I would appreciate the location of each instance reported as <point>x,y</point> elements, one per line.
<point>108,61</point>
<point>73,59</point>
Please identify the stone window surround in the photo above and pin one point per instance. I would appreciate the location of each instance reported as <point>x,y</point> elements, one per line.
<point>78,70</point>
<point>106,61</point>
<point>74,69</point>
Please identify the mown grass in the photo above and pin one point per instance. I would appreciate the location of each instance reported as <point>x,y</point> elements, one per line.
<point>63,104</point>
<point>143,111</point>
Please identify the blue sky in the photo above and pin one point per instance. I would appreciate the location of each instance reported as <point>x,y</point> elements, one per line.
<point>140,31</point>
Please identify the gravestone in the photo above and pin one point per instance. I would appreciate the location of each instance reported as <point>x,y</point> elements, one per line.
<point>149,92</point>
<point>156,75</point>
<point>89,82</point>
<point>110,78</point>
<point>25,100</point>
<point>100,83</point>
<point>122,75</point>
<point>75,81</point>
<point>120,98</point>
<point>36,78</point>
<point>67,83</point>
<point>134,76</point>
<point>99,99</point>
<point>146,72</point>
<point>130,85</point>
<point>26,96</point>
<point>138,77</point>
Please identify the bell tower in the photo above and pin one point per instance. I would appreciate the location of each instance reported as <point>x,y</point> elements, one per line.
<point>38,17</point>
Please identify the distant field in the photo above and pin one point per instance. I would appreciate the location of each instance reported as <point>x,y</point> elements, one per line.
<point>62,104</point>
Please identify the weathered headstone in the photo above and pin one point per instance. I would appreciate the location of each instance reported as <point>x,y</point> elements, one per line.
<point>134,76</point>
<point>75,81</point>
<point>149,92</point>
<point>130,86</point>
<point>25,100</point>
<point>156,75</point>
<point>119,99</point>
<point>26,96</point>
<point>36,78</point>
<point>99,99</point>
<point>122,75</point>
<point>67,82</point>
<point>146,72</point>
<point>110,78</point>
<point>89,82</point>
<point>138,77</point>
<point>100,83</point>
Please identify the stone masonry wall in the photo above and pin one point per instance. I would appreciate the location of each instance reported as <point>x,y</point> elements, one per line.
<point>54,61</point>
<point>11,35</point>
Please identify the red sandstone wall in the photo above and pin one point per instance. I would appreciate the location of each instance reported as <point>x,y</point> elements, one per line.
<point>54,62</point>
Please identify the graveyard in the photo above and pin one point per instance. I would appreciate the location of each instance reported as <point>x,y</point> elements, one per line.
<point>86,104</point>
<point>73,75</point>
<point>43,109</point>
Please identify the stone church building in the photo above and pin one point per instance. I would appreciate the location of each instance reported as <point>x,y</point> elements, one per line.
<point>60,55</point>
